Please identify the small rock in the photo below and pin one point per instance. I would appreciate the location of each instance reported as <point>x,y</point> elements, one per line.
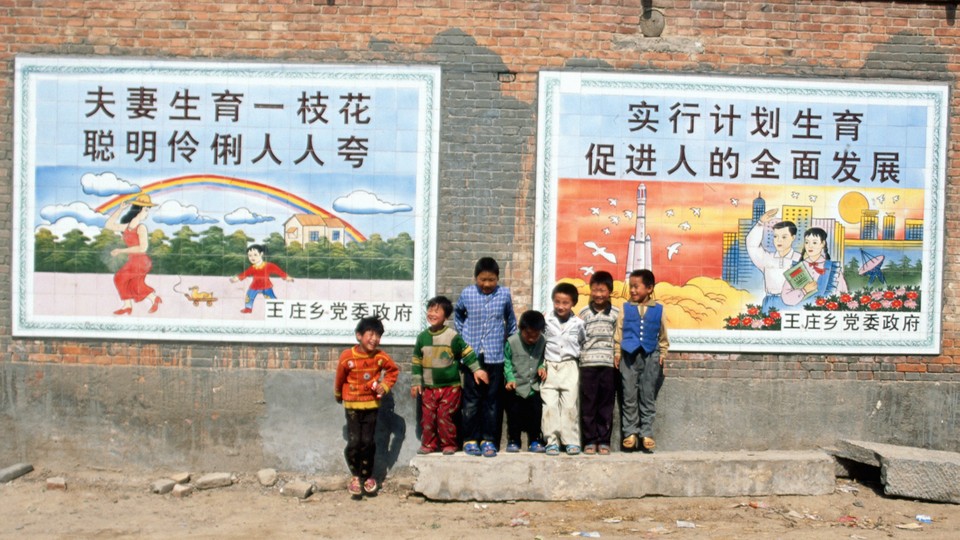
<point>181,490</point>
<point>57,483</point>
<point>181,478</point>
<point>215,480</point>
<point>330,483</point>
<point>14,471</point>
<point>298,489</point>
<point>163,486</point>
<point>267,477</point>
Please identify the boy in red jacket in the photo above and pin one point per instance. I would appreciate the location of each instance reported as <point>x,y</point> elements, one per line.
<point>359,387</point>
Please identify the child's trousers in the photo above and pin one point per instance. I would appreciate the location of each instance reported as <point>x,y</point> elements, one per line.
<point>560,393</point>
<point>439,431</point>
<point>641,376</point>
<point>361,445</point>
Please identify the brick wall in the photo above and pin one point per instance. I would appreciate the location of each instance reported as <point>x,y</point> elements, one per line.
<point>491,53</point>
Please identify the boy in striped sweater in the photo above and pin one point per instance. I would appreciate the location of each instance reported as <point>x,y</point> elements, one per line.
<point>437,356</point>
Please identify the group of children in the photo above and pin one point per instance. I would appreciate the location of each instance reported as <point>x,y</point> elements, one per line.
<point>555,376</point>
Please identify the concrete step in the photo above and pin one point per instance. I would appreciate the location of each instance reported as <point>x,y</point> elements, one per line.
<point>918,473</point>
<point>536,477</point>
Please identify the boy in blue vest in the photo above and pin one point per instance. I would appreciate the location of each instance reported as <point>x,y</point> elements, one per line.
<point>641,339</point>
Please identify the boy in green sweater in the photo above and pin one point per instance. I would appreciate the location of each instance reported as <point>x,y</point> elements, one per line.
<point>437,356</point>
<point>523,370</point>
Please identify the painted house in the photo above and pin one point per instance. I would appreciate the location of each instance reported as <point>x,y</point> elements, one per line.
<point>309,228</point>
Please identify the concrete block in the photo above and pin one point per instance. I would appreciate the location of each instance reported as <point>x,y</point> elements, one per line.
<point>182,490</point>
<point>163,486</point>
<point>905,471</point>
<point>267,477</point>
<point>537,477</point>
<point>215,480</point>
<point>298,489</point>
<point>181,478</point>
<point>14,471</point>
<point>57,483</point>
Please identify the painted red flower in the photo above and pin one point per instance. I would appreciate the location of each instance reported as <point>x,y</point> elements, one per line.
<point>865,299</point>
<point>768,321</point>
<point>747,321</point>
<point>889,295</point>
<point>821,301</point>
<point>875,306</point>
<point>775,315</point>
<point>733,321</point>
<point>753,310</point>
<point>832,306</point>
<point>845,298</point>
<point>896,304</point>
<point>913,295</point>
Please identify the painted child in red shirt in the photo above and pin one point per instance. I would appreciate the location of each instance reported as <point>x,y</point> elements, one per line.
<point>364,375</point>
<point>260,271</point>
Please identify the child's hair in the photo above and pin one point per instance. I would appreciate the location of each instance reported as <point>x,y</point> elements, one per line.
<point>822,235</point>
<point>568,289</point>
<point>486,264</point>
<point>786,225</point>
<point>602,278</point>
<point>646,277</point>
<point>259,247</point>
<point>443,302</point>
<point>367,324</point>
<point>532,320</point>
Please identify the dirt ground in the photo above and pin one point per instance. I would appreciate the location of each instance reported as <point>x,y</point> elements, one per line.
<point>112,504</point>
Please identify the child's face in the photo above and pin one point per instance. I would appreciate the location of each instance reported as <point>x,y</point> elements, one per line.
<point>254,256</point>
<point>812,247</point>
<point>599,295</point>
<point>782,240</point>
<point>487,281</point>
<point>638,291</point>
<point>368,341</point>
<point>529,335</point>
<point>562,305</point>
<point>436,317</point>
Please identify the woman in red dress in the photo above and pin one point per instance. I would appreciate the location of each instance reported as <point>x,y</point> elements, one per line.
<point>130,279</point>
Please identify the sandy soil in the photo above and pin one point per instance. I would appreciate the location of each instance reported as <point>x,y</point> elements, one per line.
<point>112,504</point>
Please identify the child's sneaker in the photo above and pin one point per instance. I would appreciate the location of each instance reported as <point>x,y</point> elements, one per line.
<point>536,447</point>
<point>470,448</point>
<point>450,450</point>
<point>552,450</point>
<point>513,447</point>
<point>354,486</point>
<point>630,443</point>
<point>590,449</point>
<point>423,450</point>
<point>488,449</point>
<point>573,450</point>
<point>370,486</point>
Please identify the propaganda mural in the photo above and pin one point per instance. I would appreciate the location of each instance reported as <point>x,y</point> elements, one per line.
<point>777,215</point>
<point>222,201</point>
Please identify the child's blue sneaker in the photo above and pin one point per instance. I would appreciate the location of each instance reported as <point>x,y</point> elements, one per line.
<point>573,450</point>
<point>513,447</point>
<point>488,449</point>
<point>536,447</point>
<point>470,448</point>
<point>552,450</point>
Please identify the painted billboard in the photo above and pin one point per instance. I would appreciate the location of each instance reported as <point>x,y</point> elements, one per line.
<point>222,201</point>
<point>777,215</point>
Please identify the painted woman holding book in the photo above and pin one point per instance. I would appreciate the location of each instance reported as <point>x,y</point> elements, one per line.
<point>824,276</point>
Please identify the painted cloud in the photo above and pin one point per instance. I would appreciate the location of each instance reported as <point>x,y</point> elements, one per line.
<point>364,202</point>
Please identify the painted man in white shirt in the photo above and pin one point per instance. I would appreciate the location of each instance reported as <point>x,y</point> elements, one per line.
<point>774,264</point>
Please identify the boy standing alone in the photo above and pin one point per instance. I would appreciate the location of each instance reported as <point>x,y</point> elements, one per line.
<point>437,357</point>
<point>484,316</point>
<point>641,336</point>
<point>358,386</point>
